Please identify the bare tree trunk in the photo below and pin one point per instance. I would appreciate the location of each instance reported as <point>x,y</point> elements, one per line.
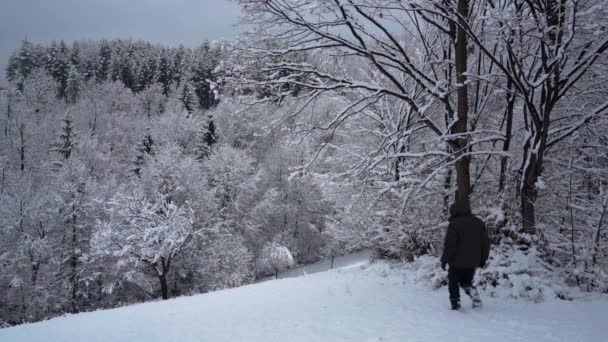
<point>528,195</point>
<point>73,257</point>
<point>550,94</point>
<point>463,177</point>
<point>596,247</point>
<point>164,289</point>
<point>508,134</point>
<point>22,146</point>
<point>8,113</point>
<point>165,264</point>
<point>569,203</point>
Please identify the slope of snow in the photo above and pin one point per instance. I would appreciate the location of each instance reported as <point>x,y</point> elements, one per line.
<point>375,302</point>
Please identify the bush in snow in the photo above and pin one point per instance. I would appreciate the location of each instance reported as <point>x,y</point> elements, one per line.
<point>275,259</point>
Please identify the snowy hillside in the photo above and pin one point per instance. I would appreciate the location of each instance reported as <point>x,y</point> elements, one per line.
<point>374,302</point>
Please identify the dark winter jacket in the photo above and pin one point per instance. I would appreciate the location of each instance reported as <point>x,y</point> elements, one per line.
<point>466,241</point>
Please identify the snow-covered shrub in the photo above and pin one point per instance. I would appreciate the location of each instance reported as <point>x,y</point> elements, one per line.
<point>228,262</point>
<point>275,259</point>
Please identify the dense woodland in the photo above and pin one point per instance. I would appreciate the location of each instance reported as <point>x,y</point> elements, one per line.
<point>133,171</point>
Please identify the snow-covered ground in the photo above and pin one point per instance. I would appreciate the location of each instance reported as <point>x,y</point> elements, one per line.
<point>376,302</point>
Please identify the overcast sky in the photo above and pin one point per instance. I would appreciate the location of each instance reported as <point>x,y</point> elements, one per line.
<point>171,22</point>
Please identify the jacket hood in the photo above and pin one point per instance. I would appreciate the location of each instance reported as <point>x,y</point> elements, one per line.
<point>459,209</point>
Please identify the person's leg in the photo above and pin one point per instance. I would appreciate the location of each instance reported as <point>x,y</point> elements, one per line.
<point>453,281</point>
<point>466,282</point>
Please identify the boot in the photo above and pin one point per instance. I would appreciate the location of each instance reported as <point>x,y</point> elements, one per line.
<point>474,294</point>
<point>455,304</point>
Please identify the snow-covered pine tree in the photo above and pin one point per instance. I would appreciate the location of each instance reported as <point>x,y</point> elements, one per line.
<point>164,71</point>
<point>202,76</point>
<point>22,63</point>
<point>73,86</point>
<point>60,69</point>
<point>74,203</point>
<point>144,149</point>
<point>187,96</point>
<point>66,141</point>
<point>103,63</point>
<point>206,139</point>
<point>75,59</point>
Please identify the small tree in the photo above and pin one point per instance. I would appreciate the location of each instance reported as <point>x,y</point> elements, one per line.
<point>275,259</point>
<point>73,85</point>
<point>187,96</point>
<point>206,139</point>
<point>145,230</point>
<point>66,141</point>
<point>144,149</point>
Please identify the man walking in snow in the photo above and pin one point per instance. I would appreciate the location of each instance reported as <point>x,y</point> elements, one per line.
<point>466,247</point>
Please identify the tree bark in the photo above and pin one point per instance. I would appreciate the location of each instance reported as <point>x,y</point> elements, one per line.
<point>508,133</point>
<point>22,146</point>
<point>596,246</point>
<point>549,96</point>
<point>528,195</point>
<point>463,177</point>
<point>165,264</point>
<point>164,289</point>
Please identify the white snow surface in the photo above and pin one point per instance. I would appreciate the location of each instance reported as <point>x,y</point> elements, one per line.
<point>360,302</point>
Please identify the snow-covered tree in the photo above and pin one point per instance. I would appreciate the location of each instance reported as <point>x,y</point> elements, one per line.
<point>275,259</point>
<point>39,91</point>
<point>67,139</point>
<point>187,96</point>
<point>152,231</point>
<point>73,85</point>
<point>145,150</point>
<point>206,139</point>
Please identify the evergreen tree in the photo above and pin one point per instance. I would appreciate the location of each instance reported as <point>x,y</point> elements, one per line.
<point>146,74</point>
<point>22,63</point>
<point>50,58</point>
<point>88,70</point>
<point>180,65</point>
<point>103,65</point>
<point>207,137</point>
<point>187,96</point>
<point>74,203</point>
<point>27,58</point>
<point>206,61</point>
<point>164,72</point>
<point>12,68</point>
<point>57,65</point>
<point>66,141</point>
<point>144,150</point>
<point>75,55</point>
<point>74,84</point>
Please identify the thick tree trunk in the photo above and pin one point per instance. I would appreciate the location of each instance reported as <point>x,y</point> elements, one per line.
<point>535,153</point>
<point>73,258</point>
<point>164,289</point>
<point>596,247</point>
<point>529,193</point>
<point>463,177</point>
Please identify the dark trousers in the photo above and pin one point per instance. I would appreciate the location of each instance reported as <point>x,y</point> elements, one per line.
<point>462,277</point>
